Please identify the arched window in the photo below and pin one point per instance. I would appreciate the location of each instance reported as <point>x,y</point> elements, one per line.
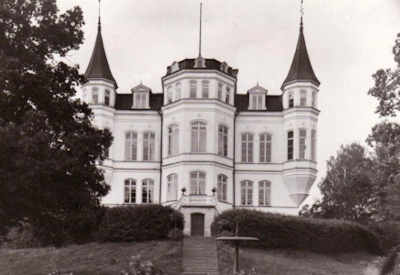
<point>107,97</point>
<point>148,145</point>
<point>246,188</point>
<point>302,143</point>
<point>193,89</point>
<point>177,90</point>
<point>290,100</point>
<point>205,88</point>
<point>172,187</point>
<point>303,98</point>
<point>147,191</point>
<point>131,145</point>
<point>173,139</point>
<point>197,183</point>
<point>95,95</point>
<point>130,191</point>
<point>247,147</point>
<point>264,193</point>
<point>199,137</point>
<point>265,147</point>
<point>290,145</point>
<point>223,140</point>
<point>222,187</point>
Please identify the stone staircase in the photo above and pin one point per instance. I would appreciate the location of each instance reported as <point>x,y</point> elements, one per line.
<point>200,256</point>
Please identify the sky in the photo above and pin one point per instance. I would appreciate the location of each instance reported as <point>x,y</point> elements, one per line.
<point>347,41</point>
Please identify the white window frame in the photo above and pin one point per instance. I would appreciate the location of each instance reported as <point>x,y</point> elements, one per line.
<point>131,142</point>
<point>140,99</point>
<point>197,183</point>
<point>178,91</point>
<point>193,89</point>
<point>107,97</point>
<point>313,145</point>
<point>130,191</point>
<point>220,91</point>
<point>198,136</point>
<point>264,193</point>
<point>302,143</point>
<point>149,143</point>
<point>172,187</point>
<point>95,95</point>
<point>173,139</point>
<point>223,140</point>
<point>290,145</point>
<point>222,187</point>
<point>265,147</point>
<point>246,192</point>
<point>205,88</point>
<point>303,98</point>
<point>147,191</point>
<point>247,144</point>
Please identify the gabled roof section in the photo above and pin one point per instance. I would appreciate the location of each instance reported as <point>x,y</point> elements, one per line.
<point>301,68</point>
<point>98,67</point>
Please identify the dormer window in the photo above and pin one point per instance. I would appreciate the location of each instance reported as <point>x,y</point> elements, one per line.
<point>174,67</point>
<point>257,101</point>
<point>141,95</point>
<point>140,100</point>
<point>224,67</point>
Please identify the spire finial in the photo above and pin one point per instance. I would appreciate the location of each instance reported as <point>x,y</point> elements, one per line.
<point>201,15</point>
<point>301,14</point>
<point>99,23</point>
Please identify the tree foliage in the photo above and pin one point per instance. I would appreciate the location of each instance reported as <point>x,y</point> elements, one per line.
<point>48,145</point>
<point>347,188</point>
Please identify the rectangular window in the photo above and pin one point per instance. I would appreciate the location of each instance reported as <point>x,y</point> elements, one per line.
<point>173,140</point>
<point>220,91</point>
<point>205,88</point>
<point>290,145</point>
<point>193,89</point>
<point>313,98</point>
<point>177,91</point>
<point>313,145</point>
<point>107,98</point>
<point>302,143</point>
<point>264,193</point>
<point>265,148</point>
<point>169,95</point>
<point>131,146</point>
<point>227,95</point>
<point>246,191</point>
<point>222,187</point>
<point>95,96</point>
<point>140,100</point>
<point>199,137</point>
<point>223,141</point>
<point>148,146</point>
<point>247,147</point>
<point>291,101</point>
<point>303,98</point>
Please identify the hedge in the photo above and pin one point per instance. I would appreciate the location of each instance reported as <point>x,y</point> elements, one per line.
<point>293,232</point>
<point>139,223</point>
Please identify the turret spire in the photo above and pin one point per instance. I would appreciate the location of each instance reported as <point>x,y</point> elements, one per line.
<point>200,26</point>
<point>99,23</point>
<point>98,67</point>
<point>301,68</point>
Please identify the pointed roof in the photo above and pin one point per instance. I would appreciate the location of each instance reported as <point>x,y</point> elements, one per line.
<point>301,68</point>
<point>98,67</point>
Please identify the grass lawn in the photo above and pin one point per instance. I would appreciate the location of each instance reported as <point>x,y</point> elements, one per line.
<point>93,258</point>
<point>285,262</point>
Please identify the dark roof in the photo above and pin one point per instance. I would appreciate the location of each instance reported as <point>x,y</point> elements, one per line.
<point>273,103</point>
<point>98,67</point>
<point>210,64</point>
<point>125,101</point>
<point>301,68</point>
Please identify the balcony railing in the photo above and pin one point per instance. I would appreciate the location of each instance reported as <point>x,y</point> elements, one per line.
<point>198,200</point>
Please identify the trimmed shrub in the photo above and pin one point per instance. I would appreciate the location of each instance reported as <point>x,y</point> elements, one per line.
<point>175,234</point>
<point>139,223</point>
<point>292,232</point>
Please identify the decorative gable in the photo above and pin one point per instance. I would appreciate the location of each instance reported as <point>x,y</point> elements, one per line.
<point>141,95</point>
<point>257,98</point>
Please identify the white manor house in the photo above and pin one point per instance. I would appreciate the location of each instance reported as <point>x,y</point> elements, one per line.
<point>202,147</point>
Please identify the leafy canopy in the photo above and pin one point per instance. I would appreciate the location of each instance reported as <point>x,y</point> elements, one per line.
<point>48,146</point>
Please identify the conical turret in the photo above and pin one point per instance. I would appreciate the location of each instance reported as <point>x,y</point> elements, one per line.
<point>301,69</point>
<point>98,67</point>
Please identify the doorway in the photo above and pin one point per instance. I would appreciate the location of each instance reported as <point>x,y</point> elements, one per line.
<point>197,224</point>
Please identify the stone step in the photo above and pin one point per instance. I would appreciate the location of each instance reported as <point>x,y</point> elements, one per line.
<point>200,256</point>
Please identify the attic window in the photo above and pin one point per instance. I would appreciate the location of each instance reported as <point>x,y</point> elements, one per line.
<point>174,67</point>
<point>140,100</point>
<point>257,101</point>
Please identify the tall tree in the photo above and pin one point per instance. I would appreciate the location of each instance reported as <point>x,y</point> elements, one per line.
<point>48,146</point>
<point>347,188</point>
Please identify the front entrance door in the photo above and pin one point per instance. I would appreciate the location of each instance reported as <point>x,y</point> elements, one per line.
<point>197,224</point>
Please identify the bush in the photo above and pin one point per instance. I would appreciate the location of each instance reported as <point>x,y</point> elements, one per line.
<point>139,223</point>
<point>175,234</point>
<point>388,233</point>
<point>292,232</point>
<point>21,236</point>
<point>139,267</point>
